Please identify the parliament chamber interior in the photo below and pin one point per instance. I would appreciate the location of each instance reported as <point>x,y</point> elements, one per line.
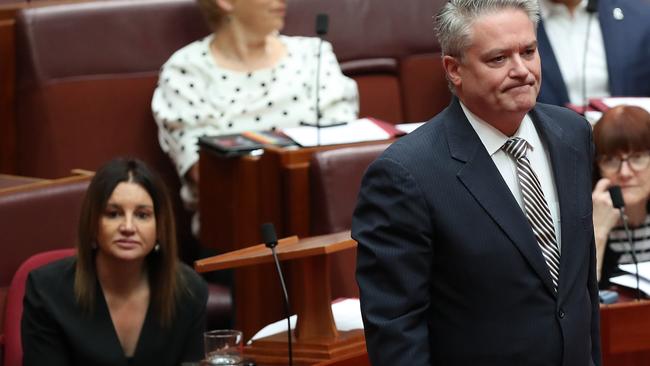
<point>76,84</point>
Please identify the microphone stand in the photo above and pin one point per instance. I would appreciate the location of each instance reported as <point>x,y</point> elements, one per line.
<point>318,114</point>
<point>630,240</point>
<point>271,241</point>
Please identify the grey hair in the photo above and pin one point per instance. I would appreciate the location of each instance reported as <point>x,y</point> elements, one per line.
<point>453,22</point>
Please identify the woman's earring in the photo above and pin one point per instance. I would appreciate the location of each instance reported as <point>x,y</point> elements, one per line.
<point>156,248</point>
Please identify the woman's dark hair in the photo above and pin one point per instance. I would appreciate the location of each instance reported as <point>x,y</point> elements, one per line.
<point>162,265</point>
<point>620,130</point>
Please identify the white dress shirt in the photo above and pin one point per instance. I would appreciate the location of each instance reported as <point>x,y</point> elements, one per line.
<point>537,154</point>
<point>567,34</point>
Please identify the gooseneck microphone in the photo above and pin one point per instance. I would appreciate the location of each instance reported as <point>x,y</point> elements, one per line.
<point>618,202</point>
<point>322,26</point>
<point>270,239</point>
<point>592,8</point>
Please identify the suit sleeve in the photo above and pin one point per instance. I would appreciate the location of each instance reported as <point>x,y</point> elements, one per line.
<point>42,339</point>
<point>593,279</point>
<point>392,225</point>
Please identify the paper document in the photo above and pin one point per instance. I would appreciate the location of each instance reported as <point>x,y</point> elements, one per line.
<point>356,131</point>
<point>347,316</point>
<point>642,102</point>
<point>409,127</point>
<point>644,269</point>
<point>629,280</point>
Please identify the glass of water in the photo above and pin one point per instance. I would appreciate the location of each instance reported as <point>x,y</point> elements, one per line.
<point>223,347</point>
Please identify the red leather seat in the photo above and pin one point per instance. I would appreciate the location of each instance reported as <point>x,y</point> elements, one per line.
<point>336,176</point>
<point>13,352</point>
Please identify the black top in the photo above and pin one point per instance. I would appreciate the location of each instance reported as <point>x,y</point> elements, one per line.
<point>55,331</point>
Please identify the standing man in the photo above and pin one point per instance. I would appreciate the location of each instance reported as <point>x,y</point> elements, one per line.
<point>475,237</point>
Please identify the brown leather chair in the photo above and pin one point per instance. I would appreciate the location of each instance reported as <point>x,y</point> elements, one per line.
<point>388,47</point>
<point>86,73</point>
<point>336,176</point>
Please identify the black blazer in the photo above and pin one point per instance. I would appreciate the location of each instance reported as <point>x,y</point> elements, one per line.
<point>56,332</point>
<point>448,267</point>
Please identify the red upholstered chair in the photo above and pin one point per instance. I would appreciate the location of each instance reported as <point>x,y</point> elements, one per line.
<point>336,176</point>
<point>13,353</point>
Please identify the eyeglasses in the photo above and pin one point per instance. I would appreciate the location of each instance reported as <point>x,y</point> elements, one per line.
<point>636,161</point>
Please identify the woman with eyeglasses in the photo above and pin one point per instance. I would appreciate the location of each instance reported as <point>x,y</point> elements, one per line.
<point>622,139</point>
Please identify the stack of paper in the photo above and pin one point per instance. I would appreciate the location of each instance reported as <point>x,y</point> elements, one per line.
<point>629,279</point>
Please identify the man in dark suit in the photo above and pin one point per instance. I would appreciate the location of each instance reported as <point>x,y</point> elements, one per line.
<point>617,51</point>
<point>475,238</point>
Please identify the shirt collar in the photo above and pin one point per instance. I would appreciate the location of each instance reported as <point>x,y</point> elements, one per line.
<point>547,8</point>
<point>494,139</point>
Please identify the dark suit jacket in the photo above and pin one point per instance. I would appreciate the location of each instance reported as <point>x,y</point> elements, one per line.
<point>55,331</point>
<point>627,46</point>
<point>448,268</point>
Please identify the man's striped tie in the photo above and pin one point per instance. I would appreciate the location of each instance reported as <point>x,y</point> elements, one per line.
<point>536,208</point>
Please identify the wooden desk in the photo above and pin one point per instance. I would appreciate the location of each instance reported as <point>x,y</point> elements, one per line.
<point>237,196</point>
<point>8,182</point>
<point>625,332</point>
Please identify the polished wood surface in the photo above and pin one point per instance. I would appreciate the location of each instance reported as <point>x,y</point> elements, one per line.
<point>625,333</point>
<point>11,182</point>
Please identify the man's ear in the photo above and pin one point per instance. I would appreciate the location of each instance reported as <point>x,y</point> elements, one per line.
<point>226,5</point>
<point>451,65</point>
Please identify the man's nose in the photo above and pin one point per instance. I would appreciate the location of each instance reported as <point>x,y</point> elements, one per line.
<point>518,67</point>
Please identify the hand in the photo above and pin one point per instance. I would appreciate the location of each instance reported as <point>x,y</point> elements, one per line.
<point>605,216</point>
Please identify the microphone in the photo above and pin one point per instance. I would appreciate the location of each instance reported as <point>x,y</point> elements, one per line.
<point>268,235</point>
<point>322,25</point>
<point>617,197</point>
<point>270,239</point>
<point>618,202</point>
<point>592,8</point>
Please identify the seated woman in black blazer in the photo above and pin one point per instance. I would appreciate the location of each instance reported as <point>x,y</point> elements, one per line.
<point>125,299</point>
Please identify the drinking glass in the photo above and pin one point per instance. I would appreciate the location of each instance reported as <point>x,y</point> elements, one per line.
<point>223,347</point>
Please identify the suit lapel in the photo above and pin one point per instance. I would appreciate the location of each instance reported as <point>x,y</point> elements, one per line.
<point>483,180</point>
<point>551,73</point>
<point>614,38</point>
<point>564,165</point>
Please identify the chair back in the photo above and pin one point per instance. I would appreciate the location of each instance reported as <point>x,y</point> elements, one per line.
<point>388,47</point>
<point>336,176</point>
<point>13,353</point>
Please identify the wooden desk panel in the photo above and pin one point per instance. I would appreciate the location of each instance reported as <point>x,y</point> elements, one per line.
<point>625,333</point>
